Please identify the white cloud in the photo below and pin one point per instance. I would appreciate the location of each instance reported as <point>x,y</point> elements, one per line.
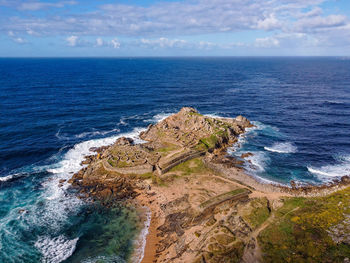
<point>318,22</point>
<point>37,5</point>
<point>206,45</point>
<point>267,42</point>
<point>166,24</point>
<point>168,18</point>
<point>269,23</point>
<point>15,38</point>
<point>316,11</point>
<point>19,40</point>
<point>72,41</point>
<point>99,42</point>
<point>163,42</point>
<point>115,43</point>
<point>75,41</point>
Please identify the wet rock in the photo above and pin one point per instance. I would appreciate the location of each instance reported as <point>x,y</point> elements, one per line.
<point>245,155</point>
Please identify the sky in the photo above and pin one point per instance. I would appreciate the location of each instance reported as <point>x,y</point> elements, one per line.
<point>113,28</point>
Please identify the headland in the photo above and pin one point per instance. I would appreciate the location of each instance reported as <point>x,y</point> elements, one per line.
<point>204,207</point>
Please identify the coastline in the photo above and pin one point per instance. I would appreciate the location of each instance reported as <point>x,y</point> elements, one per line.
<point>151,239</point>
<point>166,235</point>
<point>149,254</point>
<point>238,177</point>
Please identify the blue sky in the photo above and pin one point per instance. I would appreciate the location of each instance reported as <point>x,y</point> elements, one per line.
<point>66,28</point>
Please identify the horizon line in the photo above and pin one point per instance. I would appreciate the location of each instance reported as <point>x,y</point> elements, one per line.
<point>175,56</point>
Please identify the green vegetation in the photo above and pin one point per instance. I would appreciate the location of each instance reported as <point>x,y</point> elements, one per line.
<point>146,176</point>
<point>155,179</point>
<point>167,149</point>
<point>194,114</point>
<point>122,164</point>
<point>119,164</point>
<point>300,232</point>
<point>111,162</point>
<point>223,197</point>
<point>232,254</point>
<point>213,140</point>
<point>190,167</point>
<point>210,142</point>
<point>258,213</point>
<point>201,146</point>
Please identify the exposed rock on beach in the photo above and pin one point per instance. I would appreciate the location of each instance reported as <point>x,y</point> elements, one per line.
<point>204,207</point>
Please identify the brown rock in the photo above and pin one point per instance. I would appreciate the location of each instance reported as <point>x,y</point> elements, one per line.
<point>245,155</point>
<point>124,141</point>
<point>105,194</point>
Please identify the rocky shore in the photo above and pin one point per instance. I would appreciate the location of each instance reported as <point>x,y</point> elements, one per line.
<point>204,207</point>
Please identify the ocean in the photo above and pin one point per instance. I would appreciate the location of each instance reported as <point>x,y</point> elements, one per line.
<point>54,110</point>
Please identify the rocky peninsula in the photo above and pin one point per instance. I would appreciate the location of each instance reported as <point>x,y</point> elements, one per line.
<point>205,208</point>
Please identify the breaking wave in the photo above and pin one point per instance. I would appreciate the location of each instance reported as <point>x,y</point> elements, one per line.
<point>257,162</point>
<point>55,249</point>
<point>158,117</point>
<point>12,177</point>
<point>283,147</point>
<point>62,136</point>
<point>342,168</point>
<point>140,242</point>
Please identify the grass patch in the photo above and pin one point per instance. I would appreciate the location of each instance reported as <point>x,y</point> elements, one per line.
<point>258,214</point>
<point>210,142</point>
<point>299,233</point>
<point>111,162</point>
<point>167,149</point>
<point>122,164</point>
<point>155,179</point>
<point>190,167</point>
<point>118,164</point>
<point>201,146</point>
<point>194,114</point>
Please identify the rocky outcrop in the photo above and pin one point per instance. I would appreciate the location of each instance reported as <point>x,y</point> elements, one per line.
<point>176,139</point>
<point>206,208</point>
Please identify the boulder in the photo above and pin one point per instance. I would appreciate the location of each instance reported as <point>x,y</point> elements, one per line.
<point>123,141</point>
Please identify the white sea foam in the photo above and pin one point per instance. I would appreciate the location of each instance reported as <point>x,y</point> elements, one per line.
<point>94,133</point>
<point>56,204</point>
<point>82,135</point>
<point>72,159</point>
<point>56,249</point>
<point>257,161</point>
<point>140,242</point>
<point>104,259</point>
<point>54,212</point>
<point>282,147</point>
<point>59,205</point>
<point>60,136</point>
<point>213,115</point>
<point>264,127</point>
<point>340,169</point>
<point>12,177</point>
<point>158,117</point>
<point>123,121</point>
<point>334,102</point>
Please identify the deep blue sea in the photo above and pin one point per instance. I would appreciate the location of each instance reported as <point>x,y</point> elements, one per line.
<point>53,110</point>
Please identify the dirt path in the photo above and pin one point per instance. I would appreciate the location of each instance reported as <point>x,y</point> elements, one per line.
<point>255,193</point>
<point>252,252</point>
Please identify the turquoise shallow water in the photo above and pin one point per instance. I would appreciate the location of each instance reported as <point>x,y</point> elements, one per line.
<point>54,110</point>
